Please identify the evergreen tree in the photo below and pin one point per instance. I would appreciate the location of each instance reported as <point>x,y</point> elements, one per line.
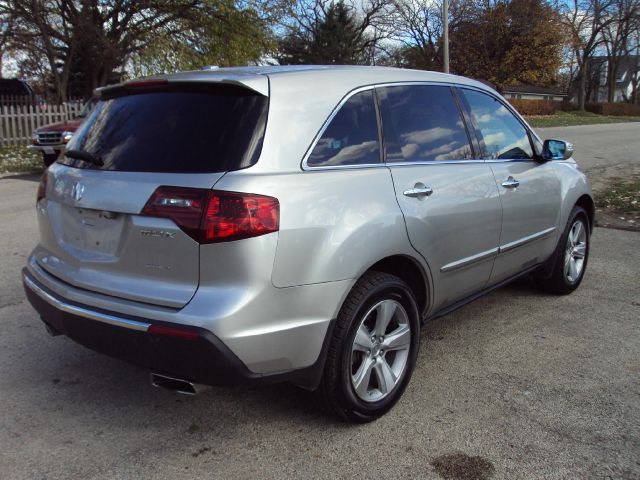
<point>334,35</point>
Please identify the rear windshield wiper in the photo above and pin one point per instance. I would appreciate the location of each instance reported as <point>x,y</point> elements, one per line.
<point>84,156</point>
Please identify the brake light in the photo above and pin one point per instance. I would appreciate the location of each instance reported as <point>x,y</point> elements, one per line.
<point>210,216</point>
<point>42,187</point>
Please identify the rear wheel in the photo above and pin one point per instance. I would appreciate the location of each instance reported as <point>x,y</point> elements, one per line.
<point>373,349</point>
<point>571,255</point>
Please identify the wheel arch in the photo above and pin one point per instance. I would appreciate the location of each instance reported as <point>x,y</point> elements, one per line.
<point>409,270</point>
<point>586,202</point>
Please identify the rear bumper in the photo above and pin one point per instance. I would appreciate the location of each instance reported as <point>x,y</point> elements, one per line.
<point>199,357</point>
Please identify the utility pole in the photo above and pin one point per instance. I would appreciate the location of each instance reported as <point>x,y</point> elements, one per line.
<point>445,23</point>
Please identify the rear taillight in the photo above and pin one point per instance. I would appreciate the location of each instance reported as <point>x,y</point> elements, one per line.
<point>210,216</point>
<point>42,187</point>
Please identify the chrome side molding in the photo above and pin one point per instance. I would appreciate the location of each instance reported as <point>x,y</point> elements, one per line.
<point>469,260</point>
<point>464,262</point>
<point>523,241</point>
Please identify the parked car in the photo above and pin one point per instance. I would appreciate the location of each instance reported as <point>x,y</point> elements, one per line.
<point>297,223</point>
<point>51,139</point>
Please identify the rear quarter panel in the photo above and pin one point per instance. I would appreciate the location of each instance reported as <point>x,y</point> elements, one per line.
<point>334,224</point>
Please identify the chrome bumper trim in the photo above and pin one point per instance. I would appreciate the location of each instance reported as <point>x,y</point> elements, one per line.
<point>84,312</point>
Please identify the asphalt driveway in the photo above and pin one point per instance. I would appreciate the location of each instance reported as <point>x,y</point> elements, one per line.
<point>604,151</point>
<point>534,386</point>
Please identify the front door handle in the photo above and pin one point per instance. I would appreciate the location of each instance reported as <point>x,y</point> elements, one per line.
<point>510,182</point>
<point>418,191</point>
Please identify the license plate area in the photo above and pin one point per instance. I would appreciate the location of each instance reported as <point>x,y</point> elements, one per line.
<point>94,231</point>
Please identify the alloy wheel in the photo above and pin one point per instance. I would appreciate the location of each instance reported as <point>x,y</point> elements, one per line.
<point>380,350</point>
<point>575,251</point>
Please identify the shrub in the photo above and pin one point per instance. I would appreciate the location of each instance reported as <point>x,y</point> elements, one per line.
<point>14,159</point>
<point>535,107</point>
<point>567,106</point>
<point>616,109</point>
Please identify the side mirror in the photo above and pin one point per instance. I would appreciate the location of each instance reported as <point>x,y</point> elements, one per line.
<point>557,150</point>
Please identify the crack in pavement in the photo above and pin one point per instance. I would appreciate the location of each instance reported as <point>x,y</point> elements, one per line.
<point>11,304</point>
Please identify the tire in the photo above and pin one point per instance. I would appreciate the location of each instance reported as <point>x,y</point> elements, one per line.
<point>49,159</point>
<point>381,376</point>
<point>571,255</point>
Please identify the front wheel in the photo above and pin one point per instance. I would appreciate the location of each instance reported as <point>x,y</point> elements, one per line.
<point>373,349</point>
<point>571,256</point>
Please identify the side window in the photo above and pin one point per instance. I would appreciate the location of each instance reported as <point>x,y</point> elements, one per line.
<point>352,136</point>
<point>503,136</point>
<point>423,123</point>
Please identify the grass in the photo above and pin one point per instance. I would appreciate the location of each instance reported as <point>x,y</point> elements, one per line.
<point>621,196</point>
<point>19,160</point>
<point>565,119</point>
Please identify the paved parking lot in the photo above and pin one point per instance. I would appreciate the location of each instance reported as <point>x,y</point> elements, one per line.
<point>536,386</point>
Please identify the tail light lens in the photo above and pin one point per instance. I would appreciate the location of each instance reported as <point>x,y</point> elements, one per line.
<point>210,216</point>
<point>42,187</point>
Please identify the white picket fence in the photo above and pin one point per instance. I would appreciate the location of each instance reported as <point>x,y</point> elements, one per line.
<point>17,122</point>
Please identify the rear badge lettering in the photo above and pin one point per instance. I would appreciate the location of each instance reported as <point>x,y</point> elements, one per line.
<point>157,233</point>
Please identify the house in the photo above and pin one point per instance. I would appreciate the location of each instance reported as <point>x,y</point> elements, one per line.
<point>626,78</point>
<point>532,92</point>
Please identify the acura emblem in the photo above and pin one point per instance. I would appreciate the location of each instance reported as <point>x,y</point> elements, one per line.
<point>76,191</point>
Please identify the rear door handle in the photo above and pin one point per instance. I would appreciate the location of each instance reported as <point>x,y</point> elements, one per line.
<point>418,191</point>
<point>510,183</point>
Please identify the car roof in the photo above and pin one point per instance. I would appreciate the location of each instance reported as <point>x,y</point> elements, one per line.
<point>302,99</point>
<point>348,76</point>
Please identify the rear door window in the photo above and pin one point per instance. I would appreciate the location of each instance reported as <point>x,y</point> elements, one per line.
<point>423,123</point>
<point>178,129</point>
<point>351,137</point>
<point>503,136</point>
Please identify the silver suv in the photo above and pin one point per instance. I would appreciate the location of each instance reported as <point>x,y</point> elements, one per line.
<point>297,223</point>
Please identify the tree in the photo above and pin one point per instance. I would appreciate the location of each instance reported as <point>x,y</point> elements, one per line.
<point>508,42</point>
<point>322,32</point>
<point>584,21</point>
<point>102,34</point>
<point>622,21</point>
<point>217,32</point>
<point>417,27</point>
<point>6,32</point>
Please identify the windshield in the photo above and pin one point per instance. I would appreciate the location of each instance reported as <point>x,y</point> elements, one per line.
<point>179,129</point>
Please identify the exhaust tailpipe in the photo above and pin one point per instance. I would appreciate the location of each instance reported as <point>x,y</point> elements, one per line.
<point>177,384</point>
<point>50,330</point>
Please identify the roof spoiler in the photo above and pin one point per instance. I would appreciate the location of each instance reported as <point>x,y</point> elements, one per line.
<point>257,83</point>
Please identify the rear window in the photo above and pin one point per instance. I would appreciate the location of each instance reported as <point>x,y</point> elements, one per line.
<point>182,129</point>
